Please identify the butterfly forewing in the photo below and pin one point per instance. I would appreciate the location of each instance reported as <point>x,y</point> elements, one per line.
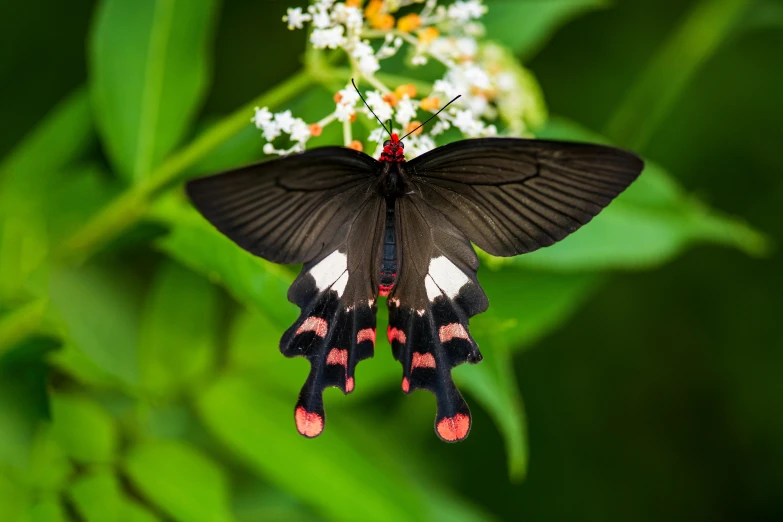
<point>512,196</point>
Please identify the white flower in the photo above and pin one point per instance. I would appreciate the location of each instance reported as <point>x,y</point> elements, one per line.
<point>418,145</point>
<point>296,18</point>
<point>419,59</point>
<point>466,47</point>
<point>365,55</point>
<point>331,38</point>
<point>285,121</point>
<point>300,131</point>
<point>376,102</point>
<point>321,18</point>
<point>344,112</point>
<point>405,111</point>
<point>477,77</point>
<point>468,124</point>
<point>262,117</point>
<point>351,17</point>
<point>446,88</point>
<point>440,127</point>
<point>379,135</point>
<point>462,12</point>
<point>348,96</point>
<point>271,131</point>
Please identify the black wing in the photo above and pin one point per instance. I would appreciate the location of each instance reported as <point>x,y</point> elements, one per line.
<point>286,210</point>
<point>319,208</point>
<point>512,196</point>
<point>429,308</point>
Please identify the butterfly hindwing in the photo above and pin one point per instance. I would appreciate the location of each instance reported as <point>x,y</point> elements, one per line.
<point>512,196</point>
<point>336,328</point>
<point>429,309</point>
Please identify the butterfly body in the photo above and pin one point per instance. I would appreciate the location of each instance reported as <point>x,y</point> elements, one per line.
<point>365,228</point>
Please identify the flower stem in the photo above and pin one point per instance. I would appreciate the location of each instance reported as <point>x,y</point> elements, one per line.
<point>130,206</point>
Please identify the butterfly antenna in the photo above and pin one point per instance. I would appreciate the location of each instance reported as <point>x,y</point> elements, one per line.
<point>431,117</point>
<point>368,106</point>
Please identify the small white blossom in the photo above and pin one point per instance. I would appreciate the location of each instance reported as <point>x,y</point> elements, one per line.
<point>446,88</point>
<point>348,96</point>
<point>468,124</point>
<point>344,112</point>
<point>379,106</point>
<point>378,135</point>
<point>320,15</point>
<point>462,12</point>
<point>300,131</point>
<point>418,145</point>
<point>271,131</point>
<point>331,38</point>
<point>405,111</point>
<point>262,117</point>
<point>296,18</point>
<point>419,59</point>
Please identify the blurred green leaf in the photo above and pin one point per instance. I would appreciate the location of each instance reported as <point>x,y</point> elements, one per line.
<point>178,330</point>
<point>353,471</point>
<point>96,495</point>
<point>706,25</point>
<point>49,467</point>
<point>61,138</point>
<point>647,225</point>
<point>47,508</point>
<point>83,429</point>
<point>149,62</point>
<point>184,483</point>
<point>130,511</point>
<point>525,26</point>
<point>198,245</point>
<point>17,323</point>
<point>13,498</point>
<point>763,14</point>
<point>24,405</point>
<point>98,310</point>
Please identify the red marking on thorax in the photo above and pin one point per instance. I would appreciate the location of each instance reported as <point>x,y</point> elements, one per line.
<point>308,423</point>
<point>314,324</point>
<point>422,360</point>
<point>394,151</point>
<point>454,428</point>
<point>395,334</point>
<point>452,331</point>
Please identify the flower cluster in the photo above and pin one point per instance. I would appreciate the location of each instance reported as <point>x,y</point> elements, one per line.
<point>491,86</point>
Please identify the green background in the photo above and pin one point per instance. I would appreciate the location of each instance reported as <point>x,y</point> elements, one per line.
<point>632,372</point>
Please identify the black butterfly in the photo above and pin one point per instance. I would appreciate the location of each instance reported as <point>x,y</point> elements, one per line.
<point>404,229</point>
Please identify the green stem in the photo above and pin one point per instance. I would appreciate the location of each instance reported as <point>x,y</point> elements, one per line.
<point>131,206</point>
<point>21,323</point>
<point>694,42</point>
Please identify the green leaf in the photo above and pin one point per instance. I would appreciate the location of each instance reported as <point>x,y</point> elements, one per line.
<point>49,467</point>
<point>251,280</point>
<point>149,64</point>
<point>359,474</point>
<point>62,137</point>
<point>525,26</point>
<point>130,511</point>
<point>83,429</point>
<point>649,224</point>
<point>98,310</point>
<point>706,25</point>
<point>178,331</point>
<point>185,484</point>
<point>47,508</point>
<point>97,496</point>
<point>24,405</point>
<point>13,498</point>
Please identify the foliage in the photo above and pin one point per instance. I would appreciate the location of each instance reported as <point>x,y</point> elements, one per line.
<point>139,373</point>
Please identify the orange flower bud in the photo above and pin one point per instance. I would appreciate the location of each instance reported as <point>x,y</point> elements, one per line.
<point>373,8</point>
<point>315,130</point>
<point>383,22</point>
<point>430,104</point>
<point>412,125</point>
<point>338,97</point>
<point>353,3</point>
<point>407,88</point>
<point>409,22</point>
<point>390,98</point>
<point>428,34</point>
<point>356,145</point>
<point>352,118</point>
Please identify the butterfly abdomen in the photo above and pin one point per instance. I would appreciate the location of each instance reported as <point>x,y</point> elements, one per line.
<point>389,261</point>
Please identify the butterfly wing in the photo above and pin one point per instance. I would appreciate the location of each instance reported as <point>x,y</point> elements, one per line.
<point>512,196</point>
<point>437,292</point>
<point>319,208</point>
<point>286,210</point>
<point>509,197</point>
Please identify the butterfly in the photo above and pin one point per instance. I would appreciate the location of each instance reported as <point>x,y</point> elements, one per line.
<point>364,228</point>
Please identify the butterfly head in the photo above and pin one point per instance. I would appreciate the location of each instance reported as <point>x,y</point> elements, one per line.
<point>393,149</point>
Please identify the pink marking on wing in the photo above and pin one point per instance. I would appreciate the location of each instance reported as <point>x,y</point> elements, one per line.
<point>368,334</point>
<point>384,289</point>
<point>452,429</point>
<point>349,385</point>
<point>452,331</point>
<point>308,423</point>
<point>314,324</point>
<point>395,334</point>
<point>337,356</point>
<point>422,360</point>
<point>406,385</point>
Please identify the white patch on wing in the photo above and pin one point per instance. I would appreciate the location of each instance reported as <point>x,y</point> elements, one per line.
<point>444,277</point>
<point>332,272</point>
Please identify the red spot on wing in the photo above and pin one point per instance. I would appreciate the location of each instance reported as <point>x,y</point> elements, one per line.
<point>337,356</point>
<point>406,385</point>
<point>314,324</point>
<point>349,385</point>
<point>454,428</point>
<point>308,423</point>
<point>452,331</point>
<point>384,289</point>
<point>367,334</point>
<point>395,334</point>
<point>422,360</point>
